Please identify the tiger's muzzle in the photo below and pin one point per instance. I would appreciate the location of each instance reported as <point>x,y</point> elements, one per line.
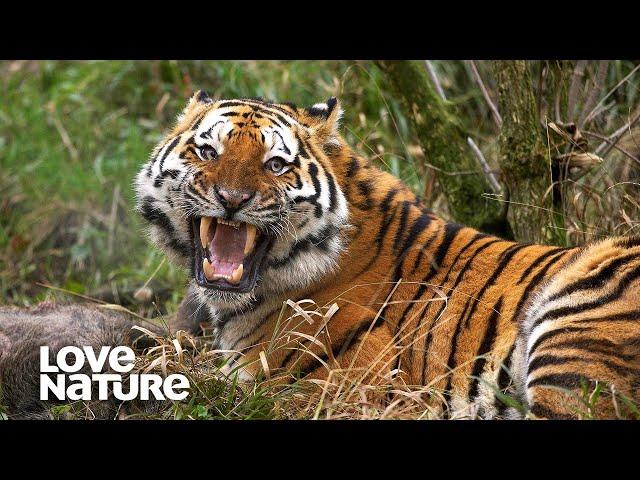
<point>228,254</point>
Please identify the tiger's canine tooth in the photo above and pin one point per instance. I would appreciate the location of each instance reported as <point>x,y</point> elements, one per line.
<point>251,239</point>
<point>237,274</point>
<point>209,271</point>
<point>205,223</point>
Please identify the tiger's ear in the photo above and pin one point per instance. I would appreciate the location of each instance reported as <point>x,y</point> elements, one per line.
<point>199,98</point>
<point>325,120</point>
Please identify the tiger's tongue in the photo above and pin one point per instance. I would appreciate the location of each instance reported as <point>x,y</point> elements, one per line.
<point>227,248</point>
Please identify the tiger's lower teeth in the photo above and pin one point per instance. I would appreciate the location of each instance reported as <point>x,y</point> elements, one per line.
<point>207,268</point>
<point>211,275</point>
<point>237,274</point>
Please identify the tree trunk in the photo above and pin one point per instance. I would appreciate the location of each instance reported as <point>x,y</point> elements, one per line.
<point>523,153</point>
<point>445,147</point>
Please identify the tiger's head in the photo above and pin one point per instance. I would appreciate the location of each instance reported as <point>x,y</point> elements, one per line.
<point>244,192</point>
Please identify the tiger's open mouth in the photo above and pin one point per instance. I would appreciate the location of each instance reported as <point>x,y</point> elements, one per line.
<point>228,254</point>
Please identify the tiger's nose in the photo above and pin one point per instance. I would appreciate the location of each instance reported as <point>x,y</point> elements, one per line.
<point>233,199</point>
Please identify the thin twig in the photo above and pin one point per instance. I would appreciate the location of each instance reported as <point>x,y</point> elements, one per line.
<point>66,139</point>
<point>606,146</point>
<point>591,114</point>
<point>598,85</point>
<point>495,186</point>
<point>613,144</point>
<point>576,78</point>
<point>495,114</point>
<point>434,79</point>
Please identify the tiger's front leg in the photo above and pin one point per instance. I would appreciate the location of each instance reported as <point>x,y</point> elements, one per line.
<point>192,316</point>
<point>347,346</point>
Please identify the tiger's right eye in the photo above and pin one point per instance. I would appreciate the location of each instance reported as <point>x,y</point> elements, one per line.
<point>207,152</point>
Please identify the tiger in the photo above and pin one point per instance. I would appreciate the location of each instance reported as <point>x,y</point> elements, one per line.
<point>266,205</point>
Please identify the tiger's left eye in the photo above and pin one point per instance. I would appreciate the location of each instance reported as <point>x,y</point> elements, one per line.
<point>207,152</point>
<point>276,165</point>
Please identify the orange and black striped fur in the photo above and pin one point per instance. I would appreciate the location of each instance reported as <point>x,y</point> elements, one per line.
<point>438,303</point>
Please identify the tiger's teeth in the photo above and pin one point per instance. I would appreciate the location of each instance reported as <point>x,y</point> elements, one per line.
<point>237,274</point>
<point>251,239</point>
<point>208,269</point>
<point>205,223</point>
<point>231,223</point>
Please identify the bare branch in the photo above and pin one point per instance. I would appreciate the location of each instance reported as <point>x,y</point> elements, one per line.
<point>576,79</point>
<point>434,78</point>
<point>609,143</point>
<point>492,106</point>
<point>591,114</point>
<point>594,91</point>
<point>613,144</point>
<point>491,178</point>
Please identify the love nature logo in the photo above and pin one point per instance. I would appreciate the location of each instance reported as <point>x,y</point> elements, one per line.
<point>71,385</point>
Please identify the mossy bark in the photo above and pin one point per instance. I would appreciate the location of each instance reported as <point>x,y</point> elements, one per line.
<point>445,147</point>
<point>523,154</point>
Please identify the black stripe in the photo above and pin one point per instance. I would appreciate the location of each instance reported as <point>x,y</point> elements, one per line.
<point>423,249</point>
<point>353,167</point>
<point>418,226</point>
<point>365,188</point>
<point>169,149</point>
<point>450,231</point>
<point>269,113</point>
<point>505,259</point>
<point>384,226</point>
<point>336,348</point>
<point>402,224</point>
<point>422,289</point>
<point>196,123</point>
<point>599,302</point>
<point>546,360</point>
<point>192,190</point>
<point>160,178</point>
<point>596,345</point>
<point>302,151</point>
<point>460,321</point>
<point>316,240</point>
<point>385,223</point>
<point>633,316</point>
<point>156,216</point>
<point>352,337</point>
<point>485,347</point>
<point>566,380</point>
<point>333,193</point>
<point>629,242</point>
<point>596,279</point>
<point>254,329</point>
<point>544,412</point>
<point>554,333</point>
<point>286,149</point>
<point>537,262</point>
<point>386,201</point>
<point>504,380</point>
<point>535,281</point>
<point>313,199</point>
<point>273,113</point>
